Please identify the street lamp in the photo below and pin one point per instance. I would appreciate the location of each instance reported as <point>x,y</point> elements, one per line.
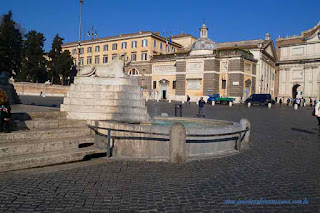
<point>79,42</point>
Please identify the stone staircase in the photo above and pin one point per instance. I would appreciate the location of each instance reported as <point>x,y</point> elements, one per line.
<point>45,138</point>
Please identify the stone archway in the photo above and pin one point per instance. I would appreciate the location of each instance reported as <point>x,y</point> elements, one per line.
<point>294,91</point>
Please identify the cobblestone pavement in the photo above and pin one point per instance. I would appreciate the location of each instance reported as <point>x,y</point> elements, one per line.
<point>282,164</point>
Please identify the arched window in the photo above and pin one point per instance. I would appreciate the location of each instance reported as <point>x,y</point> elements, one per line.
<point>133,72</point>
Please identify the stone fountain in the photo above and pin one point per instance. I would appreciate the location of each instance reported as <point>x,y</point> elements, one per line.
<point>110,99</point>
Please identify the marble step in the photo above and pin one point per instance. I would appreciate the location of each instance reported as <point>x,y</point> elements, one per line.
<point>46,124</point>
<point>16,162</point>
<point>21,147</point>
<point>106,81</point>
<point>38,115</point>
<point>124,117</point>
<point>40,134</point>
<point>104,109</point>
<point>107,102</point>
<point>105,88</point>
<point>104,95</point>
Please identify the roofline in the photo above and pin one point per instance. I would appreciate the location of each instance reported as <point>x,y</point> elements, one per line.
<point>119,37</point>
<point>301,36</point>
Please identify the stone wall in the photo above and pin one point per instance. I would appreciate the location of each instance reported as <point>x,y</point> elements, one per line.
<point>24,88</point>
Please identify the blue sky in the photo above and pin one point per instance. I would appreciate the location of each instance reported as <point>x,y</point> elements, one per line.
<point>227,20</point>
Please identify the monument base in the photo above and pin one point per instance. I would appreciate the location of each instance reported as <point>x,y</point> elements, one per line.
<point>96,98</point>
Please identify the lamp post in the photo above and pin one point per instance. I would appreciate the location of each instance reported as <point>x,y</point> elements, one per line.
<point>79,42</point>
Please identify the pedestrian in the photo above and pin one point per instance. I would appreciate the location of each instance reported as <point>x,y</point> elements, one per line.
<point>304,102</point>
<point>310,99</point>
<point>280,101</point>
<point>288,101</point>
<point>5,112</point>
<point>201,106</point>
<point>188,100</point>
<point>317,114</point>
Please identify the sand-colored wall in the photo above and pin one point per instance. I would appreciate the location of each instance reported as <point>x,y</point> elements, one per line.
<point>24,88</point>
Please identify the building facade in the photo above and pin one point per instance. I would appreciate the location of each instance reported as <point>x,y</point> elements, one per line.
<point>202,71</point>
<point>299,65</point>
<point>139,47</point>
<point>264,52</point>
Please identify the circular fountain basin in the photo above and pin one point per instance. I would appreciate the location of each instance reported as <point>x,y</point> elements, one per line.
<point>204,137</point>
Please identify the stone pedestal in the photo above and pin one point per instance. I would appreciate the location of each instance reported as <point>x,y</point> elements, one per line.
<point>98,98</point>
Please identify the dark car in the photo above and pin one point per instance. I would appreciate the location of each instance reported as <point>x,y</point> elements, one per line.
<point>260,99</point>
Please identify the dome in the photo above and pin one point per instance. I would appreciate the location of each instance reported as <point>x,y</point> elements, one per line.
<point>203,45</point>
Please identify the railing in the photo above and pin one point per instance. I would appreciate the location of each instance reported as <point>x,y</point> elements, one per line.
<point>108,136</point>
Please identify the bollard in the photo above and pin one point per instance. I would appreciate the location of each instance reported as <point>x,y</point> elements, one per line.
<point>178,107</point>
<point>295,106</point>
<point>197,102</point>
<point>269,105</point>
<point>230,104</point>
<point>244,144</point>
<point>249,104</point>
<point>177,143</point>
<point>169,101</point>
<point>213,103</point>
<point>182,102</point>
<point>157,99</point>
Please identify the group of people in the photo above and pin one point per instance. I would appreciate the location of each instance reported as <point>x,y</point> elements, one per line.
<point>298,101</point>
<point>5,113</point>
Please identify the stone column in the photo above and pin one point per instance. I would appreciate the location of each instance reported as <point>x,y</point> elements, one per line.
<point>177,144</point>
<point>244,144</point>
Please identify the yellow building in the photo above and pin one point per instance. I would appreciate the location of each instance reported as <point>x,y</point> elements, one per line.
<point>139,47</point>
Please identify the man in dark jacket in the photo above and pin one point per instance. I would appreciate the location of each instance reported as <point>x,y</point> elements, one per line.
<point>5,113</point>
<point>201,106</point>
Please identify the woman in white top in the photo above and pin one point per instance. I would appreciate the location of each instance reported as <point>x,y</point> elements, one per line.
<point>317,113</point>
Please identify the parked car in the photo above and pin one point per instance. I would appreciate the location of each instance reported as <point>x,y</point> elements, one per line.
<point>262,99</point>
<point>219,100</point>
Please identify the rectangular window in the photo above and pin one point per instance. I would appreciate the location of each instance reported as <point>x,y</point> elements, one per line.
<point>81,61</point>
<point>144,43</point>
<point>133,56</point>
<point>97,59</point>
<point>89,49</point>
<point>74,51</point>
<point>154,85</point>
<point>144,56</point>
<point>124,45</point>
<point>81,50</point>
<point>194,84</point>
<point>97,49</point>
<point>114,46</point>
<point>154,43</point>
<point>105,47</point>
<point>89,60</point>
<point>174,84</point>
<point>134,44</point>
<point>161,45</point>
<point>247,67</point>
<point>105,59</point>
<point>224,84</point>
<point>114,56</point>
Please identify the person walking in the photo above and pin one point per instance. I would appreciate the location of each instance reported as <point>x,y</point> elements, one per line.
<point>201,106</point>
<point>317,114</point>
<point>311,101</point>
<point>5,113</point>
<point>288,101</point>
<point>188,100</point>
<point>280,101</point>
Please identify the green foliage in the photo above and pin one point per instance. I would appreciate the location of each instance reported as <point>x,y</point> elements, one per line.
<point>33,62</point>
<point>10,45</point>
<point>60,63</point>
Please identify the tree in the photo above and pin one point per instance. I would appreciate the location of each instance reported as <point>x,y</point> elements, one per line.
<point>10,45</point>
<point>33,62</point>
<point>60,63</point>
